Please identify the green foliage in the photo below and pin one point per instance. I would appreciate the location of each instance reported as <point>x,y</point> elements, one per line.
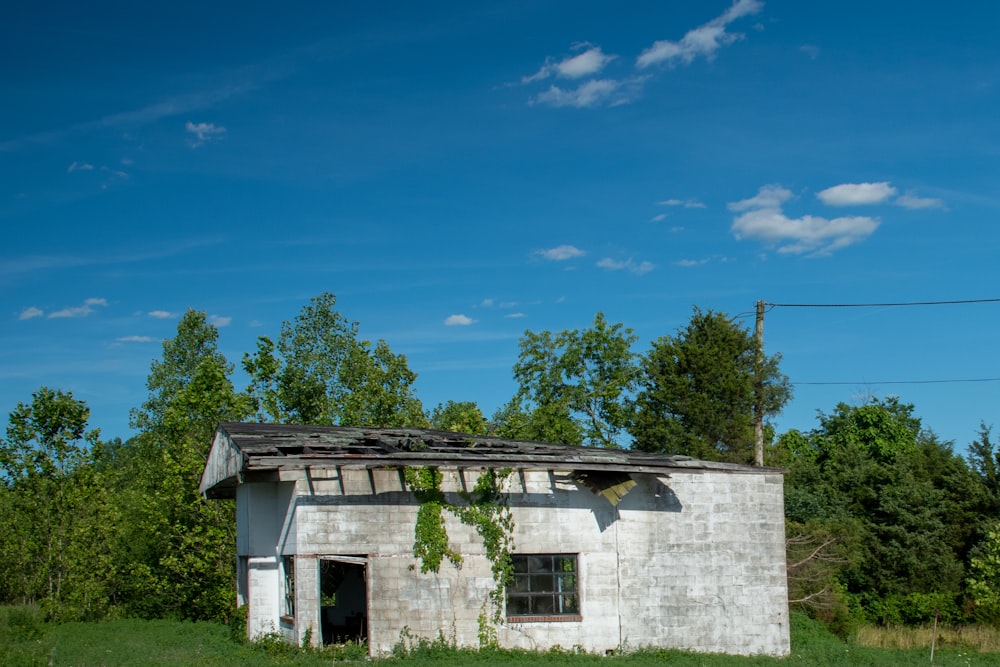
<point>430,536</point>
<point>321,372</point>
<point>984,577</point>
<point>132,643</point>
<point>578,382</point>
<point>55,509</point>
<point>698,391</point>
<point>486,509</point>
<point>903,507</point>
<point>21,623</point>
<point>176,547</point>
<point>460,417</point>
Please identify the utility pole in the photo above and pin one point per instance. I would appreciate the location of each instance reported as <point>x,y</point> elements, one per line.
<point>758,416</point>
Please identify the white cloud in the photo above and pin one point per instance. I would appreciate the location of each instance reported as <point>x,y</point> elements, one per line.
<point>79,166</point>
<point>30,313</point>
<point>458,321</point>
<point>593,93</point>
<point>769,196</point>
<point>486,303</point>
<point>161,314</point>
<point>658,218</point>
<point>588,63</point>
<point>692,262</point>
<point>561,253</point>
<point>808,234</point>
<point>914,202</point>
<point>79,311</point>
<point>219,321</point>
<point>686,203</point>
<point>764,220</point>
<point>136,339</point>
<point>702,41</point>
<point>810,50</point>
<point>204,132</point>
<point>857,194</point>
<point>630,265</point>
<point>514,316</point>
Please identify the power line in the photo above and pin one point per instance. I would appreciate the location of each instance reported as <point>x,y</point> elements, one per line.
<point>867,382</point>
<point>879,305</point>
<point>771,306</point>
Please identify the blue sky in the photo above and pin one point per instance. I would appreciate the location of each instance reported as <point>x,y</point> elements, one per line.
<point>457,173</point>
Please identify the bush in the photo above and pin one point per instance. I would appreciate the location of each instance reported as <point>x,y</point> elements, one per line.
<point>21,623</point>
<point>913,609</point>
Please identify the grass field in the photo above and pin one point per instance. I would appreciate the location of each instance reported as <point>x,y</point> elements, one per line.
<point>25,640</point>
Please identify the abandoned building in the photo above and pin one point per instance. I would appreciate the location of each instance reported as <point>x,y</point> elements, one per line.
<point>611,548</point>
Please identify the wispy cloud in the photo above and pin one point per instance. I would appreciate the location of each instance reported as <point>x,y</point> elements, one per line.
<point>686,203</point>
<point>588,63</point>
<point>79,311</point>
<point>31,313</point>
<point>703,41</point>
<point>219,321</point>
<point>514,316</point>
<point>810,50</point>
<point>659,217</point>
<point>763,219</point>
<point>593,93</point>
<point>79,166</point>
<point>161,314</point>
<point>204,133</point>
<point>687,263</point>
<point>561,253</point>
<point>856,194</point>
<point>34,263</point>
<point>137,339</point>
<point>629,265</point>
<point>173,106</point>
<point>600,90</point>
<point>912,201</point>
<point>458,321</point>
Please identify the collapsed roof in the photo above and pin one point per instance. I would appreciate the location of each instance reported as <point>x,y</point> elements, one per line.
<point>244,452</point>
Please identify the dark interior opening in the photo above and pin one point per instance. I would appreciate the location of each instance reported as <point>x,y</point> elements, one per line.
<point>344,601</point>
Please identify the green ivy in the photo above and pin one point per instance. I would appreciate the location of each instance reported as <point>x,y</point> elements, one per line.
<point>486,508</point>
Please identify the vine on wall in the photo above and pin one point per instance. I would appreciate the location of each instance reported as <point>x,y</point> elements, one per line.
<point>486,508</point>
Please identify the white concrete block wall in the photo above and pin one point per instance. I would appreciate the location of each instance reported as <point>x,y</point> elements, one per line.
<point>695,561</point>
<point>263,596</point>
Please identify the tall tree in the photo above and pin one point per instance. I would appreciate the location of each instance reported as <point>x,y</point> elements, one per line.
<point>577,382</point>
<point>909,505</point>
<point>321,372</point>
<point>54,508</point>
<point>697,391</point>
<point>180,546</point>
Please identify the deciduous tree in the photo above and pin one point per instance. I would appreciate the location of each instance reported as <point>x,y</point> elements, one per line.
<point>179,546</point>
<point>461,417</point>
<point>574,385</point>
<point>321,372</point>
<point>54,507</point>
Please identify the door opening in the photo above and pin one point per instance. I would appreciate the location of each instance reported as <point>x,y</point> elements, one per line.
<point>343,598</point>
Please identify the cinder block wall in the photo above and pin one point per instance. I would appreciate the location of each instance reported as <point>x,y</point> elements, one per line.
<point>695,561</point>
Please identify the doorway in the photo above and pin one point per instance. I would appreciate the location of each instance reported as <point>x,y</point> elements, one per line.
<point>343,598</point>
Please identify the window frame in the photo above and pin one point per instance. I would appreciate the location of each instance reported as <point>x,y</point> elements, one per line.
<point>288,587</point>
<point>562,591</point>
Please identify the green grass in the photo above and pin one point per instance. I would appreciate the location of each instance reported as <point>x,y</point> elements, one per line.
<point>26,640</point>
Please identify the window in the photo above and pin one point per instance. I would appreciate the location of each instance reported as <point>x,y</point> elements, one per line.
<point>288,567</point>
<point>544,585</point>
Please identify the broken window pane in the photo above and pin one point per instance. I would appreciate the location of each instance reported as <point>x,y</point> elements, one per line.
<point>544,585</point>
